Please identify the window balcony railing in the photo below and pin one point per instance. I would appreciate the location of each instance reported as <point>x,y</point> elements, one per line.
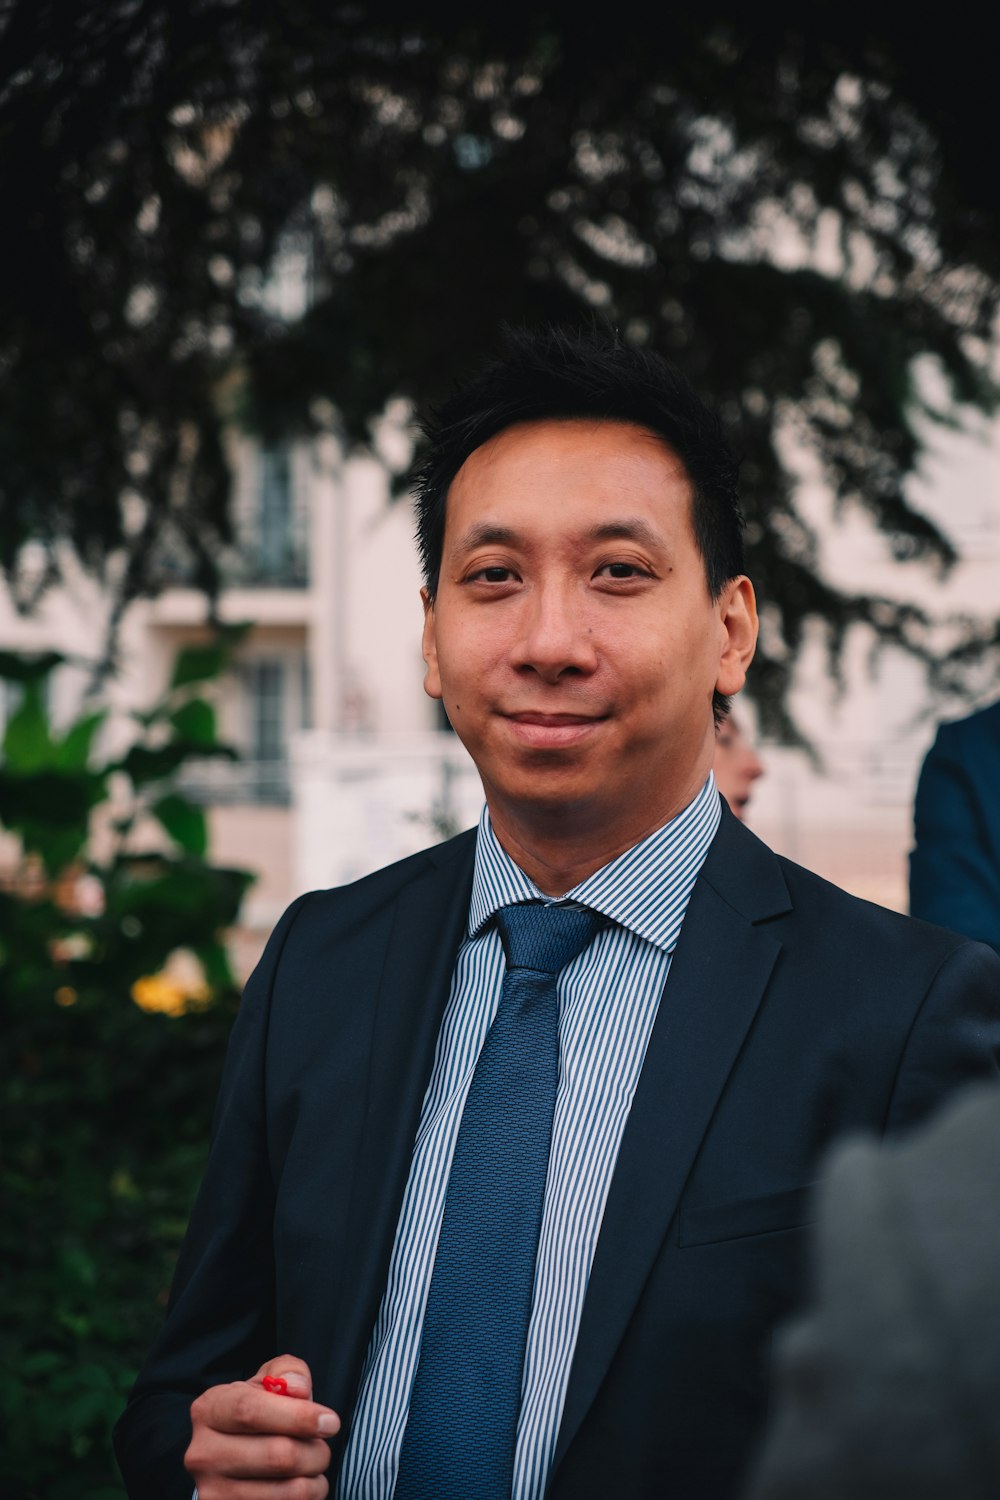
<point>227,783</point>
<point>249,569</point>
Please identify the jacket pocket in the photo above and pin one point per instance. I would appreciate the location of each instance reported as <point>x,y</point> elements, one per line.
<point>738,1218</point>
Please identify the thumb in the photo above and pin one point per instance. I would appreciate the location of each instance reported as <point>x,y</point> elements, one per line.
<point>286,1376</point>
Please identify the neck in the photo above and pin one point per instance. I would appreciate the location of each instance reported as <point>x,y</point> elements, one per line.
<point>559,846</point>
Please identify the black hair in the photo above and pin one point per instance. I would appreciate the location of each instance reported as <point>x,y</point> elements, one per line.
<point>566,373</point>
<point>592,372</point>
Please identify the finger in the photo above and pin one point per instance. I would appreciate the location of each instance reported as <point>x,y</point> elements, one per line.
<point>213,1457</point>
<point>266,1489</point>
<point>294,1372</point>
<point>270,1457</point>
<point>244,1407</point>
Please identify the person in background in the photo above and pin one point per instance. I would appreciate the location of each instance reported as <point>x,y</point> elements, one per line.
<point>955,863</point>
<point>736,764</point>
<point>889,1387</point>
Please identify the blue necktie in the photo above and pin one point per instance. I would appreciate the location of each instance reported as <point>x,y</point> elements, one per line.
<point>462,1423</point>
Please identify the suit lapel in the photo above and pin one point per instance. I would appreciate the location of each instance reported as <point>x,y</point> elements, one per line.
<point>427,928</point>
<point>716,982</point>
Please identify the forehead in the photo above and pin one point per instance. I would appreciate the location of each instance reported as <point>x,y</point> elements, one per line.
<point>572,466</point>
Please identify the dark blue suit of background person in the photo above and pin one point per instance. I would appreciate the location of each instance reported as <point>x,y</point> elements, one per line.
<point>955,864</point>
<point>585,608</point>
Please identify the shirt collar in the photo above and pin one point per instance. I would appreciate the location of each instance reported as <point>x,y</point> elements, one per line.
<point>646,889</point>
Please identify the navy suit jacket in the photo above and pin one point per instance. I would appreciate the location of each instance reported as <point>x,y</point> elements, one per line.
<point>955,866</point>
<point>792,1013</point>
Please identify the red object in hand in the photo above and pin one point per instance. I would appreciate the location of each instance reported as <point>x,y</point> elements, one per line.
<point>277,1384</point>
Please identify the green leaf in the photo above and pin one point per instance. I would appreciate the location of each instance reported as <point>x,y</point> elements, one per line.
<point>77,1267</point>
<point>215,961</point>
<point>50,797</point>
<point>27,744</point>
<point>17,668</point>
<point>73,751</point>
<point>195,721</point>
<point>184,822</point>
<point>199,664</point>
<point>40,1362</point>
<point>50,810</point>
<point>144,765</point>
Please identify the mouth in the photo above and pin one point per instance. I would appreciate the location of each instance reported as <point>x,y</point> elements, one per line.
<point>541,731</point>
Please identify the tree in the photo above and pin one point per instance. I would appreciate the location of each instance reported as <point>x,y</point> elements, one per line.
<point>796,206</point>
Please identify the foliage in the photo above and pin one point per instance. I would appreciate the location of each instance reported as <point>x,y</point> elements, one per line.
<point>795,201</point>
<point>117,997</point>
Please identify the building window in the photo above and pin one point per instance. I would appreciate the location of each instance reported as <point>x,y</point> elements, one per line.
<point>272,521</point>
<point>274,535</point>
<point>268,748</point>
<point>305,690</point>
<point>272,694</point>
<point>266,680</point>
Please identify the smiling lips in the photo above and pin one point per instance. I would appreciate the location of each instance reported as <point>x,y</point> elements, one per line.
<point>552,731</point>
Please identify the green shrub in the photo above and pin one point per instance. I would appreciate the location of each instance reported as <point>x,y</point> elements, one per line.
<point>106,1104</point>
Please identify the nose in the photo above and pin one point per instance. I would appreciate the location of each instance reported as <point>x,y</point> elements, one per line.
<point>754,766</point>
<point>556,638</point>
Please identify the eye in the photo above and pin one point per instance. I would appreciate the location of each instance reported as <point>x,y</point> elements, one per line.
<point>494,573</point>
<point>622,570</point>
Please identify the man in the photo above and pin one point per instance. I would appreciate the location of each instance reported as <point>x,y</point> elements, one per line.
<point>515,1137</point>
<point>955,863</point>
<point>890,1386</point>
<point>736,765</point>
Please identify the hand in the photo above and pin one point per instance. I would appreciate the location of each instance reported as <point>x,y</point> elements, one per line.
<point>248,1444</point>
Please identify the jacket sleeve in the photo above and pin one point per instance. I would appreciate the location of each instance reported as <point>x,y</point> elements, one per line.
<point>220,1317</point>
<point>954,1038</point>
<point>955,862</point>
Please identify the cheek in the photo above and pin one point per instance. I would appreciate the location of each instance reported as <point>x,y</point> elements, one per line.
<point>475,658</point>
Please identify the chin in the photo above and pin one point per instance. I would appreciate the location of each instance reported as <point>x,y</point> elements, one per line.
<point>551,790</point>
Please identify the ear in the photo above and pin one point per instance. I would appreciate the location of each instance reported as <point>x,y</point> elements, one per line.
<point>432,678</point>
<point>738,620</point>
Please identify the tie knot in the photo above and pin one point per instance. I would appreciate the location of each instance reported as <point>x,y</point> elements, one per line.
<point>545,938</point>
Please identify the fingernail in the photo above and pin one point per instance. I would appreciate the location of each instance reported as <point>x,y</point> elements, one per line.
<point>328,1423</point>
<point>297,1383</point>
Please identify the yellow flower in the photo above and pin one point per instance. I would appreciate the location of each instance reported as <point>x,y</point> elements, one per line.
<point>66,995</point>
<point>178,988</point>
<point>155,993</point>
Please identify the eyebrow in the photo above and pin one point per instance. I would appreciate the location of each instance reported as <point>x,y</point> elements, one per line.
<point>627,528</point>
<point>488,534</point>
<point>630,528</point>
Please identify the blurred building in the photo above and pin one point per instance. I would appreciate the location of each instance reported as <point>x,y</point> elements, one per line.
<point>346,763</point>
<point>850,816</point>
<point>324,574</point>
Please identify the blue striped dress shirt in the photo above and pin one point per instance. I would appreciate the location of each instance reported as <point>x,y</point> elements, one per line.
<point>608,999</point>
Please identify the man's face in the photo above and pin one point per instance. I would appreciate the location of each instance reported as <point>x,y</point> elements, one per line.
<point>572,638</point>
